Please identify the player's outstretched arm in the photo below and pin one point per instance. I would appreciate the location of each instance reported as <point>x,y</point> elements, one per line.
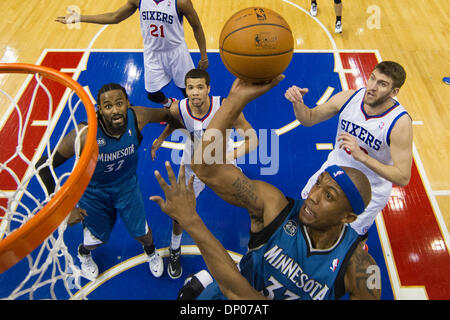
<point>180,206</point>
<point>250,143</point>
<point>117,16</point>
<point>146,115</point>
<point>311,116</point>
<point>172,125</point>
<point>262,200</point>
<point>66,149</point>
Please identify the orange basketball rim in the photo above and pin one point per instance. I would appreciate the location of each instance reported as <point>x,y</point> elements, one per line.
<point>22,241</point>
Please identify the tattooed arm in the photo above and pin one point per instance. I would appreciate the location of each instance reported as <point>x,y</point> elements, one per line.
<point>262,200</point>
<point>362,278</point>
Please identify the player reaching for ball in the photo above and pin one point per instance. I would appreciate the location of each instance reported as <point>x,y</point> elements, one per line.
<point>194,114</point>
<point>298,249</point>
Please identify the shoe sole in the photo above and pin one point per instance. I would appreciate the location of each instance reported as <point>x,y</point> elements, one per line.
<point>87,276</point>
<point>157,275</point>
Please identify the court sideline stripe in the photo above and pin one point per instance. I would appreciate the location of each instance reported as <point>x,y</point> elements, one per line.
<point>133,262</point>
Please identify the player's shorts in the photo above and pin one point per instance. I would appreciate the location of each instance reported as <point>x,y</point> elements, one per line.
<point>104,203</point>
<point>199,185</point>
<point>160,67</point>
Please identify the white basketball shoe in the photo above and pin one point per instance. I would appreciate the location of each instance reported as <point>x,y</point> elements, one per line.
<point>89,268</point>
<point>338,27</point>
<point>156,264</point>
<point>313,10</point>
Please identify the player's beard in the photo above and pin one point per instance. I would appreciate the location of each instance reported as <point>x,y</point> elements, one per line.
<point>377,102</point>
<point>117,124</point>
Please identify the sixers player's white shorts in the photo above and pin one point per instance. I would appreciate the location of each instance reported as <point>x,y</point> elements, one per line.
<point>160,67</point>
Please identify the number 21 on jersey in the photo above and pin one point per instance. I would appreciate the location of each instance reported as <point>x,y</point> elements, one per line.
<point>156,31</point>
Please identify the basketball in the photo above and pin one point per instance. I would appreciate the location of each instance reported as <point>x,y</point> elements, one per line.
<point>256,44</point>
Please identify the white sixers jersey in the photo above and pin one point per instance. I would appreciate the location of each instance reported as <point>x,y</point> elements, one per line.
<point>197,126</point>
<point>161,25</point>
<point>373,136</point>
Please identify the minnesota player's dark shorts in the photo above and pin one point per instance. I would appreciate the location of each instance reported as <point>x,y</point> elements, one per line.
<point>104,203</point>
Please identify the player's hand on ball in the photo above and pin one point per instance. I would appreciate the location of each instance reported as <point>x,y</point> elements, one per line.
<point>250,91</point>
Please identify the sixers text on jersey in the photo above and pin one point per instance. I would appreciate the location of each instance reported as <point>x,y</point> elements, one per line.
<point>361,133</point>
<point>157,16</point>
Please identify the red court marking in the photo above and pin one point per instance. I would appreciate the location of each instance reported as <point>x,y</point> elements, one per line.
<point>419,249</point>
<point>361,62</point>
<point>421,255</point>
<point>10,131</point>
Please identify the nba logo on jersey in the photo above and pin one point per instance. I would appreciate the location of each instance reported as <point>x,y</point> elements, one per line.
<point>334,264</point>
<point>290,228</point>
<point>101,142</point>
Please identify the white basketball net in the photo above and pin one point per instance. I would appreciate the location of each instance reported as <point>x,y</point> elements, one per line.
<point>51,269</point>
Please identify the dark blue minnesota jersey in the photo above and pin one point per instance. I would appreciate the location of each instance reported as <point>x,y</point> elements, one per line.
<point>285,266</point>
<point>117,158</point>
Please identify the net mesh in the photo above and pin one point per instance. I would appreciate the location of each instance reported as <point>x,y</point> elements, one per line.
<point>33,125</point>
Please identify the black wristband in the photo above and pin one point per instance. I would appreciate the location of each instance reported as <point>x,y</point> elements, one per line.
<point>45,172</point>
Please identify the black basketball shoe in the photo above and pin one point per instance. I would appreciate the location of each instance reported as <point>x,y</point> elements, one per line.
<point>174,268</point>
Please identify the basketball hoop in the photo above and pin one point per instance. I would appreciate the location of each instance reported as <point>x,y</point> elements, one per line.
<point>40,222</point>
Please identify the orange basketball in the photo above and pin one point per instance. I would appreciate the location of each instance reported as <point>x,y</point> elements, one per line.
<point>256,44</point>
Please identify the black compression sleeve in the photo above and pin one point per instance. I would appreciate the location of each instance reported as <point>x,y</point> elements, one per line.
<point>45,172</point>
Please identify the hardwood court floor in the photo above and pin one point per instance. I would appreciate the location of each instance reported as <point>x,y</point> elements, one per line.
<point>413,33</point>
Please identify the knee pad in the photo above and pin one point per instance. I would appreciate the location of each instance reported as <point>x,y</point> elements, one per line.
<point>157,97</point>
<point>89,240</point>
<point>337,1</point>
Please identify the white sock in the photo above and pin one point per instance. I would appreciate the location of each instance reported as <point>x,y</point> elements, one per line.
<point>176,241</point>
<point>168,103</point>
<point>204,277</point>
